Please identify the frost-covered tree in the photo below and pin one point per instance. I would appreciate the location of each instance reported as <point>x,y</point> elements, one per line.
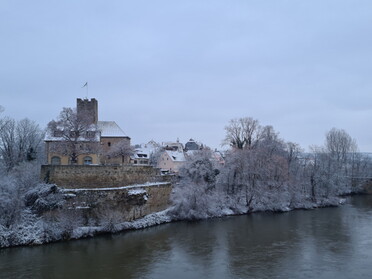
<point>121,149</point>
<point>74,134</point>
<point>339,144</point>
<point>155,155</point>
<point>242,133</point>
<point>19,141</point>
<point>195,196</point>
<point>257,177</point>
<point>263,172</point>
<point>13,187</point>
<point>337,167</point>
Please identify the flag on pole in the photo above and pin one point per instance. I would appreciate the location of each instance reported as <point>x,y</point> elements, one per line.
<point>86,84</point>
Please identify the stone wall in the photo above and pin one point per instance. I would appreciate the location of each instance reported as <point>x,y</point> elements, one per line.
<point>119,204</point>
<point>111,194</point>
<point>99,176</point>
<point>367,187</point>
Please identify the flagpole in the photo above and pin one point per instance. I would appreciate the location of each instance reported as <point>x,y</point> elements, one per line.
<point>86,85</point>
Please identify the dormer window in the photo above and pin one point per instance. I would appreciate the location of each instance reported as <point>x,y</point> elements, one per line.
<point>90,134</point>
<point>58,133</point>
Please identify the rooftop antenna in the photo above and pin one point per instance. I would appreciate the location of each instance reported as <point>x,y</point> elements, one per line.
<point>86,85</point>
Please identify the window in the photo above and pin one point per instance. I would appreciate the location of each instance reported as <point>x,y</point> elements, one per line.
<point>109,143</point>
<point>58,133</point>
<point>90,134</point>
<point>56,160</point>
<point>87,160</point>
<point>74,134</point>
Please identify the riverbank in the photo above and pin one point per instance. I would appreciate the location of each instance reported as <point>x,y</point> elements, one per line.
<point>34,231</point>
<point>322,243</point>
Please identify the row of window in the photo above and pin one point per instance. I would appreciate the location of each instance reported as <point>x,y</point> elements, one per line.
<point>73,134</point>
<point>87,160</point>
<point>141,162</point>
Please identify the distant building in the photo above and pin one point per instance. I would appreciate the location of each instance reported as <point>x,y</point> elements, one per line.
<point>193,145</point>
<point>104,137</point>
<point>144,152</point>
<point>218,157</point>
<point>171,161</point>
<point>175,155</point>
<point>173,146</point>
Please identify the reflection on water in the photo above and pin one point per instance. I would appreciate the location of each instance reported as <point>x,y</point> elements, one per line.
<point>322,243</point>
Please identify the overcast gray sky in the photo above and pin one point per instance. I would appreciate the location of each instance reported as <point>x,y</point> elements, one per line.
<point>182,69</point>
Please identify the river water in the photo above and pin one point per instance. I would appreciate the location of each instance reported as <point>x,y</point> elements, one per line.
<point>321,243</point>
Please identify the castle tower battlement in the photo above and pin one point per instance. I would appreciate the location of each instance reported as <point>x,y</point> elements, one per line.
<point>88,109</point>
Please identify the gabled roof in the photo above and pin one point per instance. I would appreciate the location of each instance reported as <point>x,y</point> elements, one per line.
<point>110,129</point>
<point>176,156</point>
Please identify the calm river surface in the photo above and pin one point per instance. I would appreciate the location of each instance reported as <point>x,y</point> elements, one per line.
<point>321,243</point>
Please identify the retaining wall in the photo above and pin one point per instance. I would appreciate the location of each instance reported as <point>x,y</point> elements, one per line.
<point>113,193</point>
<point>120,204</point>
<point>99,176</point>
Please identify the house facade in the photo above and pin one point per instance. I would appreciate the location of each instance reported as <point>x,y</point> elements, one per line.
<point>171,161</point>
<point>94,145</point>
<point>175,155</point>
<point>144,153</point>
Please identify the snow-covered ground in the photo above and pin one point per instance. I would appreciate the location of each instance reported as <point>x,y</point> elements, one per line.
<point>148,184</point>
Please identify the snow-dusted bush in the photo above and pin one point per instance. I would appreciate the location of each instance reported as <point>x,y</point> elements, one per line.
<point>13,187</point>
<point>22,201</point>
<point>44,197</point>
<point>195,196</point>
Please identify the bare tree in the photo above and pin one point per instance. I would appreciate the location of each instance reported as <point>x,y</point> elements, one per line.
<point>294,152</point>
<point>122,149</point>
<point>73,134</point>
<point>242,133</point>
<point>337,167</point>
<point>339,144</point>
<point>155,156</point>
<point>19,141</point>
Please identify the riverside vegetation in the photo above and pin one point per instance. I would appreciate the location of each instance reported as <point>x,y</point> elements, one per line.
<point>262,172</point>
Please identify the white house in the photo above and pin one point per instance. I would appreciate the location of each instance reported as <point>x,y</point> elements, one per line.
<point>171,161</point>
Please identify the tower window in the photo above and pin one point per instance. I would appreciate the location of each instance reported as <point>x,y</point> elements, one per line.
<point>56,160</point>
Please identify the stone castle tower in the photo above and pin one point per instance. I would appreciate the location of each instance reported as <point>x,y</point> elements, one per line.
<point>88,108</point>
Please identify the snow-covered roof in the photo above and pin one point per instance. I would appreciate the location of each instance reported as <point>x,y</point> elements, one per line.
<point>106,129</point>
<point>141,153</point>
<point>145,150</point>
<point>173,145</point>
<point>110,129</point>
<point>58,135</point>
<point>176,155</point>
